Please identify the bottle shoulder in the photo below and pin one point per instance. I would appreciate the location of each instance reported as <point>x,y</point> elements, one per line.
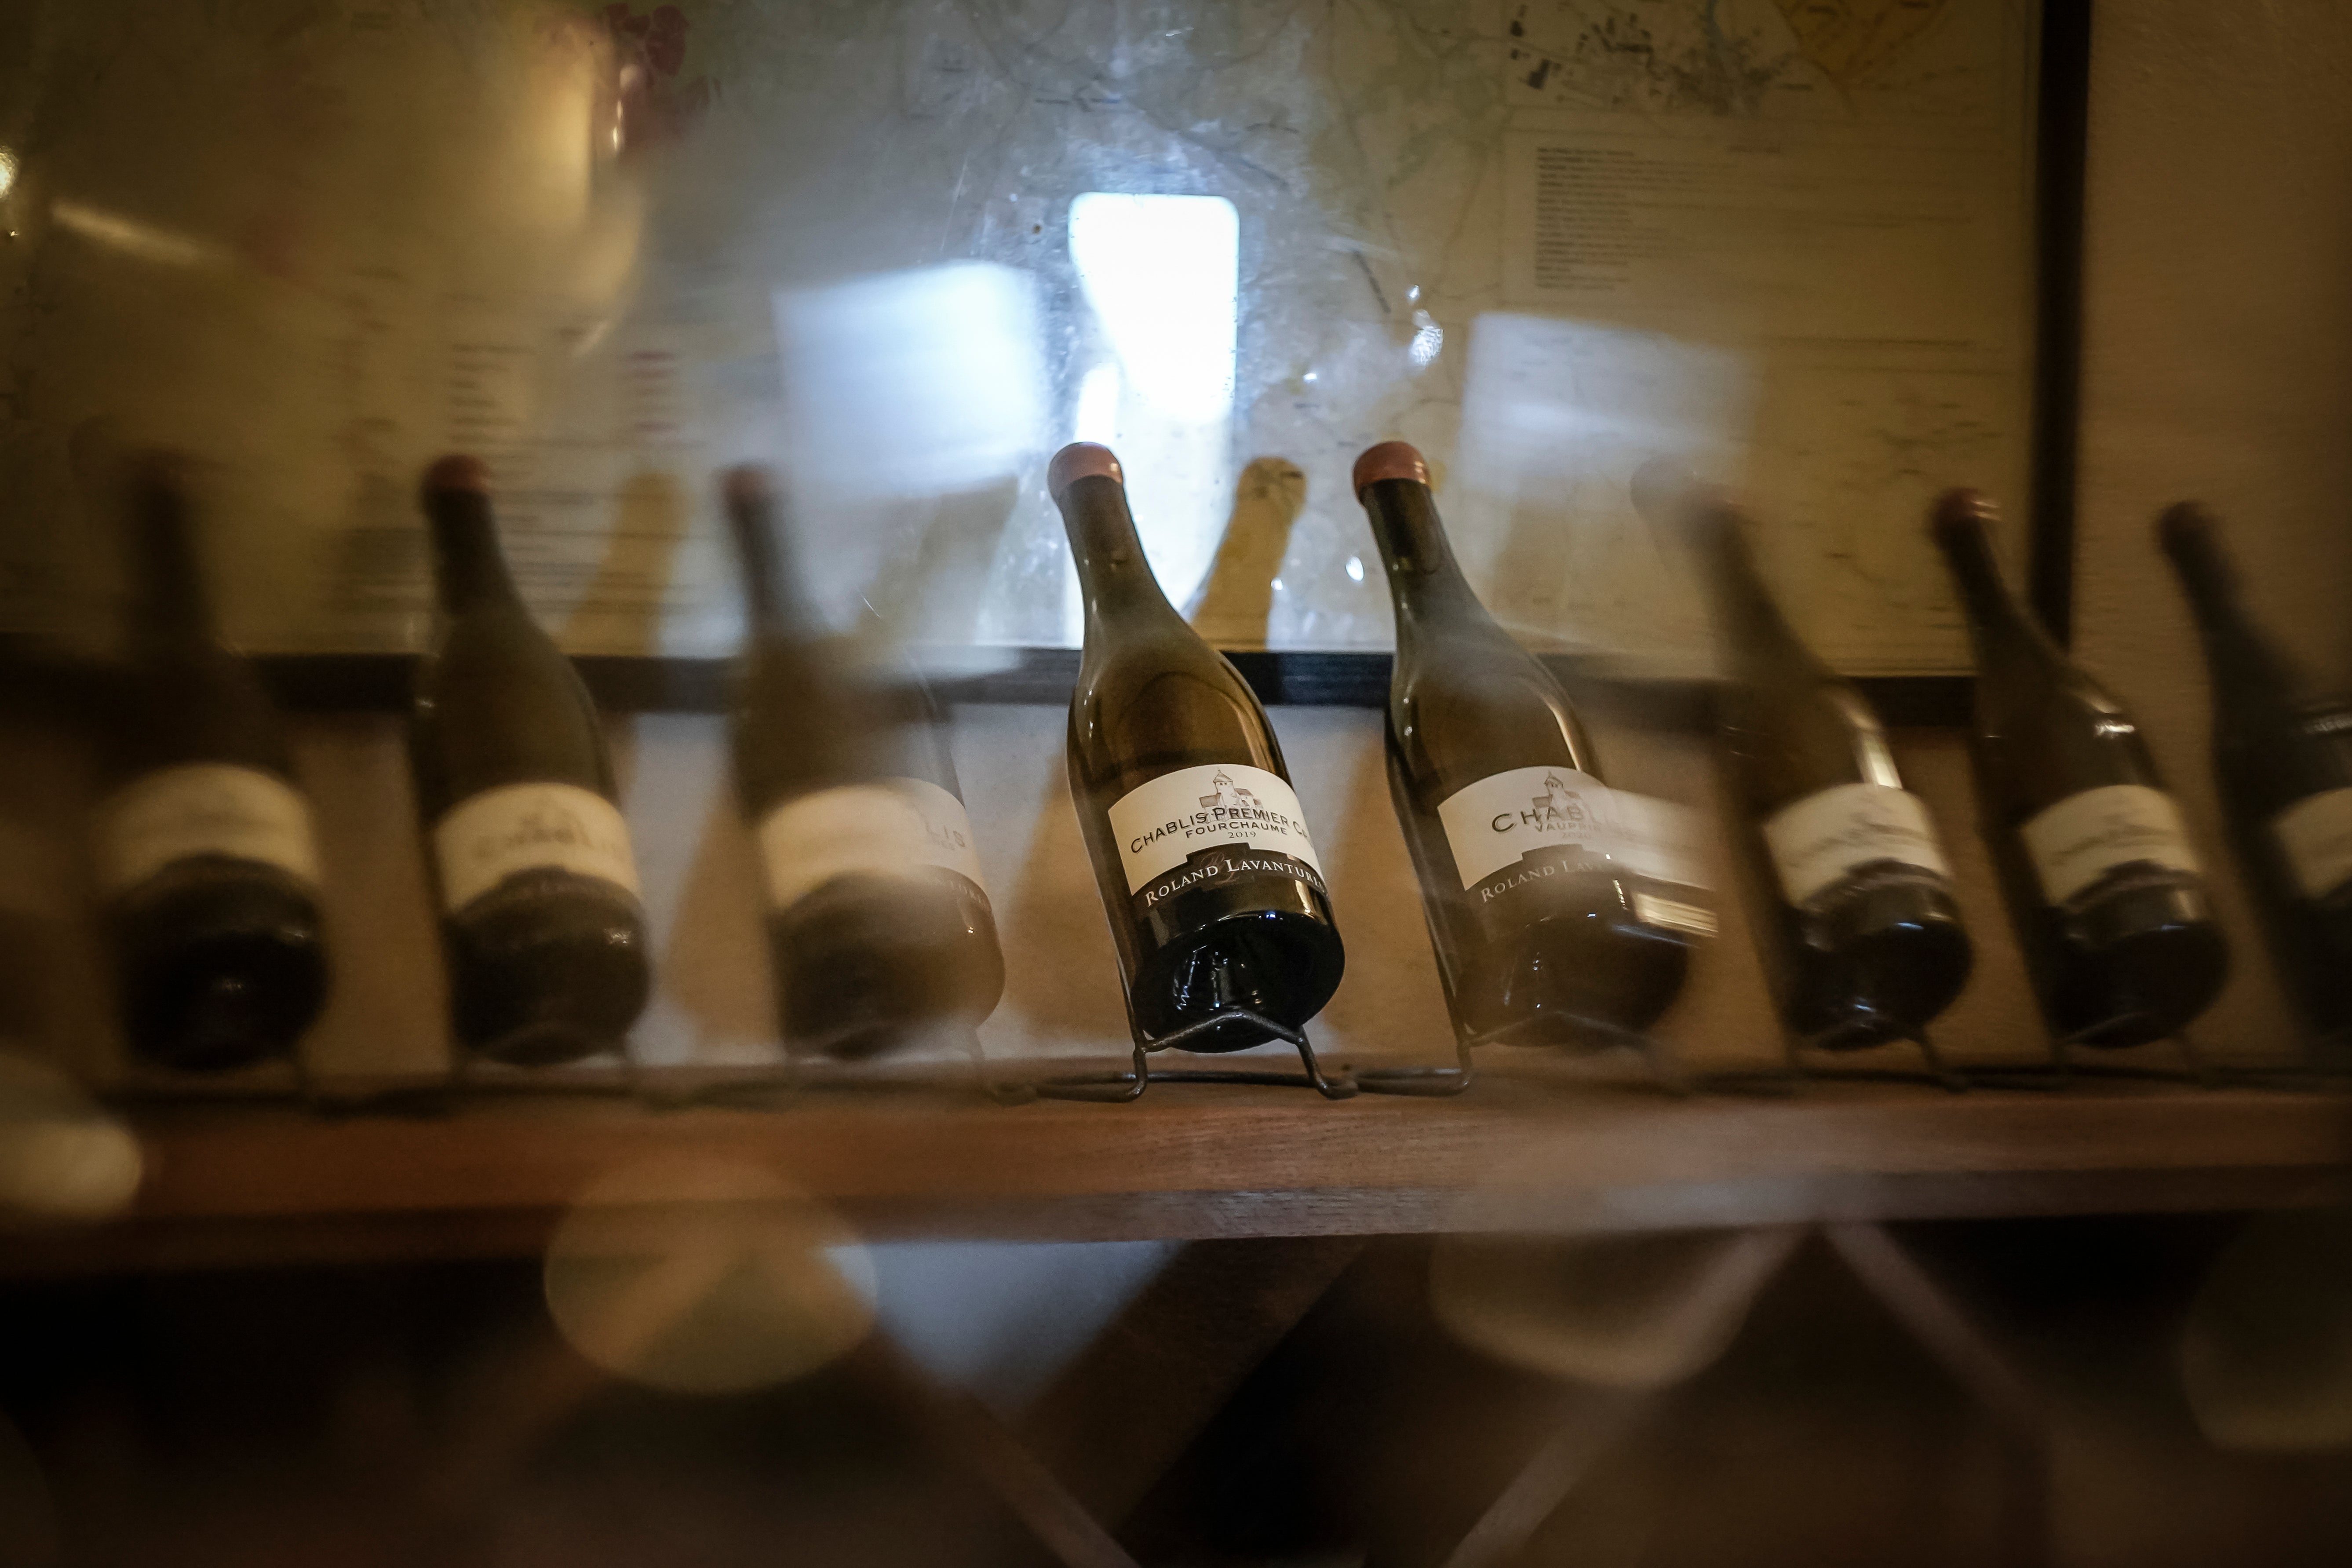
<point>498,704</point>
<point>2037,746</point>
<point>804,720</point>
<point>1148,708</point>
<point>1454,720</point>
<point>2301,751</point>
<point>198,704</point>
<point>1796,738</point>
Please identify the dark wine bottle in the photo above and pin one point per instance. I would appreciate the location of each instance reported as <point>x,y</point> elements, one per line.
<point>2093,855</point>
<point>2282,760</point>
<point>1212,884</point>
<point>206,860</point>
<point>1863,941</point>
<point>1561,910</point>
<point>879,927</point>
<point>539,917</point>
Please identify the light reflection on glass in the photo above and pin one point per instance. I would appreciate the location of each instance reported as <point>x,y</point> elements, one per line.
<point>914,406</point>
<point>1557,415</point>
<point>705,1274</point>
<point>132,237</point>
<point>63,1157</point>
<point>1098,415</point>
<point>1163,275</point>
<point>1428,338</point>
<point>908,383</point>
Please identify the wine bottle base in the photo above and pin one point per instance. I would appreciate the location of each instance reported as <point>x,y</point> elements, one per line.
<point>2162,969</point>
<point>1240,981</point>
<point>214,1010</point>
<point>1575,985</point>
<point>1130,1084</point>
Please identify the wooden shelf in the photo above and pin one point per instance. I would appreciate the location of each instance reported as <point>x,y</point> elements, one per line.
<point>246,1184</point>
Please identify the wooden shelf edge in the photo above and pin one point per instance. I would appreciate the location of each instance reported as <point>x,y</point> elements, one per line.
<point>246,1183</point>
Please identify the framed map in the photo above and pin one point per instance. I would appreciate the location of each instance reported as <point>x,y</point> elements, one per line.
<point>902,250</point>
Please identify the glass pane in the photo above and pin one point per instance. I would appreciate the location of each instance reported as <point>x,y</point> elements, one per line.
<point>903,249</point>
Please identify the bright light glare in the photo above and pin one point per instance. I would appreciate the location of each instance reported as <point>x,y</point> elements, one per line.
<point>1163,274</point>
<point>913,384</point>
<point>1355,568</point>
<point>7,170</point>
<point>144,241</point>
<point>1097,418</point>
<point>1428,338</point>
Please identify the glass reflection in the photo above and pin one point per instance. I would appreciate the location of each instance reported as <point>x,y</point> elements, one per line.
<point>1162,275</point>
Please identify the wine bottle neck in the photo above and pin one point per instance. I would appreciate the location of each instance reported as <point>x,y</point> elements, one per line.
<point>2245,666</point>
<point>1751,619</point>
<point>469,568</point>
<point>169,582</point>
<point>775,601</point>
<point>1996,620</point>
<point>1423,576</point>
<point>1113,574</point>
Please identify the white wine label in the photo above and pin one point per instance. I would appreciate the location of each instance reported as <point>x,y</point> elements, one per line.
<point>2083,837</point>
<point>2316,831</point>
<point>1833,832</point>
<point>1164,822</point>
<point>203,808</point>
<point>891,827</point>
<point>530,827</point>
<point>1504,818</point>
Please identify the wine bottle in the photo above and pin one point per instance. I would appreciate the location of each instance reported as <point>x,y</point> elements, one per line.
<point>1561,910</point>
<point>538,887</point>
<point>2095,858</point>
<point>879,926</point>
<point>1863,941</point>
<point>2282,760</point>
<point>204,857</point>
<point>1212,884</point>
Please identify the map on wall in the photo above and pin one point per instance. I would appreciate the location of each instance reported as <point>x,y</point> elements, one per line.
<point>902,250</point>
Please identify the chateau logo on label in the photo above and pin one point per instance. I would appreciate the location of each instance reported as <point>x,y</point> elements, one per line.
<point>1164,822</point>
<point>203,809</point>
<point>1820,840</point>
<point>1505,816</point>
<point>2315,835</point>
<point>530,827</point>
<point>889,827</point>
<point>2078,841</point>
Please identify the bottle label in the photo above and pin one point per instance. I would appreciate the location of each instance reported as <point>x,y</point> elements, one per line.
<point>2075,843</point>
<point>1564,819</point>
<point>892,827</point>
<point>1166,822</point>
<point>530,827</point>
<point>2316,831</point>
<point>203,808</point>
<point>1831,834</point>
